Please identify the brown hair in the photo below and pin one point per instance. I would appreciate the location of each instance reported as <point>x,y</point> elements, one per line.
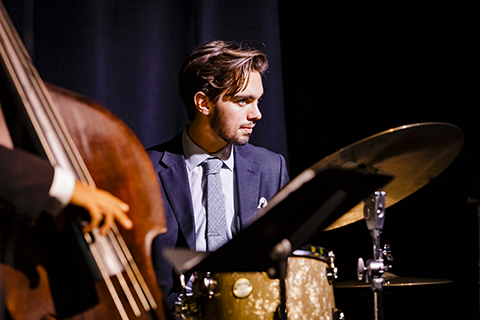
<point>217,67</point>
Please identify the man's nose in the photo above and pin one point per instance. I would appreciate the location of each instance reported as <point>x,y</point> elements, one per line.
<point>255,113</point>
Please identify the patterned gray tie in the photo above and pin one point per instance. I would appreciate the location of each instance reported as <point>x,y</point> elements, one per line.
<point>216,230</point>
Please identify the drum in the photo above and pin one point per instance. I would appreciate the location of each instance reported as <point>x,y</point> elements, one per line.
<point>255,296</point>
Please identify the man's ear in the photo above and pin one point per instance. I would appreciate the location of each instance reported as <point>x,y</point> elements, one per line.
<point>202,103</point>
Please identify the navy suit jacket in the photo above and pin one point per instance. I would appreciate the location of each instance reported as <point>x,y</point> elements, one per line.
<point>25,181</point>
<point>258,173</point>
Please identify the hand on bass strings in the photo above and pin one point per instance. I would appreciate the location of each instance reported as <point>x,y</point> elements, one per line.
<point>102,206</point>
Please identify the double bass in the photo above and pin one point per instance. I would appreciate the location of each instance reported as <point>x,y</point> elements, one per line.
<point>64,273</point>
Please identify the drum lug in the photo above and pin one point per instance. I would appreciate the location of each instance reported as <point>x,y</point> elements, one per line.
<point>332,270</point>
<point>210,285</point>
<point>186,307</point>
<point>204,285</point>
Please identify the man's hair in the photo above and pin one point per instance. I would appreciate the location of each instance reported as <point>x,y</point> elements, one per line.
<point>218,67</point>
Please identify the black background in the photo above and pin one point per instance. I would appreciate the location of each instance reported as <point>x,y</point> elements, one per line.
<point>340,71</point>
<point>353,69</point>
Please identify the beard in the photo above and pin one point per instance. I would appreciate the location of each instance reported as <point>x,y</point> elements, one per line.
<point>226,131</point>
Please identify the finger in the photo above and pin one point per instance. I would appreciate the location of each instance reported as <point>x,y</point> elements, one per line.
<point>124,207</point>
<point>95,218</point>
<point>114,201</point>
<point>120,214</point>
<point>124,220</point>
<point>107,224</point>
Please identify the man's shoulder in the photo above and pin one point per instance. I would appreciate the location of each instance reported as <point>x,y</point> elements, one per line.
<point>173,147</point>
<point>255,150</point>
<point>259,155</point>
<point>271,165</point>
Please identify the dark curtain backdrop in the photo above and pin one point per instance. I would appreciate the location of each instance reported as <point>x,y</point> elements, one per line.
<point>356,68</point>
<point>340,72</point>
<point>126,55</point>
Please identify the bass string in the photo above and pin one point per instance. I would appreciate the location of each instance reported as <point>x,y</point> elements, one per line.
<point>13,65</point>
<point>133,271</point>
<point>47,122</point>
<point>106,277</point>
<point>55,138</point>
<point>107,261</point>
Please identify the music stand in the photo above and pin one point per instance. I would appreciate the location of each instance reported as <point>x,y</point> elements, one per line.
<point>310,202</point>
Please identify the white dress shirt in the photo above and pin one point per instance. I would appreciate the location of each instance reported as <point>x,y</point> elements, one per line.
<point>60,192</point>
<point>194,156</point>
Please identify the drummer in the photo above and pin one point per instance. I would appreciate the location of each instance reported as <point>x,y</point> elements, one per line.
<point>220,85</point>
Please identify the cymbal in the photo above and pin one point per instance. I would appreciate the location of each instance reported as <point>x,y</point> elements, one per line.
<point>413,154</point>
<point>391,280</point>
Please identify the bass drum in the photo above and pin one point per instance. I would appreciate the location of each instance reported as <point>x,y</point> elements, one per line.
<point>255,296</point>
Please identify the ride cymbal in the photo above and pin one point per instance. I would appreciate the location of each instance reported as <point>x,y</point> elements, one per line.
<point>413,154</point>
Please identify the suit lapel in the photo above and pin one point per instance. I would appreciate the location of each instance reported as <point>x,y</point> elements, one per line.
<point>175,182</point>
<point>248,185</point>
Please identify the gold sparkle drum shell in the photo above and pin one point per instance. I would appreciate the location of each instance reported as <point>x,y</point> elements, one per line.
<point>255,296</point>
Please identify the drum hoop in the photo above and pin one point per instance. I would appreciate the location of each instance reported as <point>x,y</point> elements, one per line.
<point>311,251</point>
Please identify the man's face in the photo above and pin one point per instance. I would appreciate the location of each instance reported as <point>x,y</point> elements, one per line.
<point>234,117</point>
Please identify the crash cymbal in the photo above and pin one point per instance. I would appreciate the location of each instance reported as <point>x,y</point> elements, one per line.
<point>413,154</point>
<point>391,280</point>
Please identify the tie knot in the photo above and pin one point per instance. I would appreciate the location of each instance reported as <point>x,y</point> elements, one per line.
<point>213,165</point>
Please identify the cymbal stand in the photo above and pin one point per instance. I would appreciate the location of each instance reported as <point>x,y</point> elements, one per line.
<point>374,212</point>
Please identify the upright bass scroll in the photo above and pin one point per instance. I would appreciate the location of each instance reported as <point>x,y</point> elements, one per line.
<point>100,150</point>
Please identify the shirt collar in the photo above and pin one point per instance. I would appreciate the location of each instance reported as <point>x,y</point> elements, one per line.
<point>194,155</point>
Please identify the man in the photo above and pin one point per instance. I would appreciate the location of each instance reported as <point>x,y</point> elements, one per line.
<point>30,185</point>
<point>221,85</point>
